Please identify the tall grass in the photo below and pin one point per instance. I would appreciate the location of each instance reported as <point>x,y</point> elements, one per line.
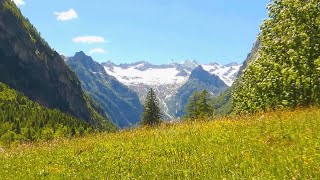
<point>280,145</point>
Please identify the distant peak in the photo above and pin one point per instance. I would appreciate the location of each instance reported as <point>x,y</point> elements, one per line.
<point>199,73</point>
<point>232,64</point>
<point>80,53</point>
<point>199,68</point>
<point>81,56</point>
<point>108,63</point>
<point>214,64</point>
<point>143,63</point>
<point>190,62</point>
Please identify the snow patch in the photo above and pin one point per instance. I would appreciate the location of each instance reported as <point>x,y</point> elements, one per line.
<point>226,73</point>
<point>150,76</point>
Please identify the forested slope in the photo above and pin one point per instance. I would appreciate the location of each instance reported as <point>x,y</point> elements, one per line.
<point>24,120</point>
<point>30,66</point>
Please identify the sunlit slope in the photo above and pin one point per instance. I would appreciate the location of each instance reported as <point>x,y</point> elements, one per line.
<point>281,145</point>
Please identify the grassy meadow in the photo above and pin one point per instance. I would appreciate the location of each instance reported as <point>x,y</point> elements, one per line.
<point>279,145</point>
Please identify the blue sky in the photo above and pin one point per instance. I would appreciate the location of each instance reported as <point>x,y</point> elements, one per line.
<point>158,31</point>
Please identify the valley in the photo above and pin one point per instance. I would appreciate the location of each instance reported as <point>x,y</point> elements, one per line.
<point>68,113</point>
<point>166,79</point>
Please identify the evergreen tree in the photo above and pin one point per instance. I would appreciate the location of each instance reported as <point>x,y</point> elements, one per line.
<point>287,72</point>
<point>152,113</point>
<point>192,106</point>
<point>24,120</point>
<point>200,105</point>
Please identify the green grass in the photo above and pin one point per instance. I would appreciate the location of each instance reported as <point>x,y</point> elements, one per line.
<point>281,145</point>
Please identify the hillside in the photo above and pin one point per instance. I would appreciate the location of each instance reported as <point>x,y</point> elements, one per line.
<point>121,104</point>
<point>24,120</point>
<point>279,145</point>
<point>29,65</point>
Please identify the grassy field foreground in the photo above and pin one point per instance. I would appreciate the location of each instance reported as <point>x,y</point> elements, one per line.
<point>281,145</point>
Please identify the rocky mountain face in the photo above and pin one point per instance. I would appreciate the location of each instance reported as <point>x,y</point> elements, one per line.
<point>121,104</point>
<point>199,80</point>
<point>252,56</point>
<point>166,79</point>
<point>29,65</point>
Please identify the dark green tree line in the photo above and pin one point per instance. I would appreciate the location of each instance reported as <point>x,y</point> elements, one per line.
<point>24,120</point>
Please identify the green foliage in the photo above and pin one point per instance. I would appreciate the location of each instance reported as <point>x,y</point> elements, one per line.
<point>34,35</point>
<point>286,75</point>
<point>24,120</point>
<point>223,104</point>
<point>152,113</point>
<point>200,105</point>
<point>97,116</point>
<point>279,145</point>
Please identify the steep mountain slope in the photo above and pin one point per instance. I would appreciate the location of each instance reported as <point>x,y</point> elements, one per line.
<point>252,56</point>
<point>199,80</point>
<point>165,79</point>
<point>120,103</point>
<point>24,120</point>
<point>29,65</point>
<point>224,102</point>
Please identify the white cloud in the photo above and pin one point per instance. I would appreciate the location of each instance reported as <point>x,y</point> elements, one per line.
<point>97,51</point>
<point>66,15</point>
<point>89,39</point>
<point>19,2</point>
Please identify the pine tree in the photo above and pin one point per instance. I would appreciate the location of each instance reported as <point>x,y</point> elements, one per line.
<point>22,119</point>
<point>152,112</point>
<point>206,105</point>
<point>200,105</point>
<point>192,106</point>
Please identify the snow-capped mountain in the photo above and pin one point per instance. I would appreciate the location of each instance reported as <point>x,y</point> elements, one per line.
<point>122,104</point>
<point>146,73</point>
<point>167,74</point>
<point>227,73</point>
<point>199,80</point>
<point>165,79</point>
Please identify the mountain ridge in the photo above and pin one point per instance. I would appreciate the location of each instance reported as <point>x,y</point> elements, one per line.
<point>165,79</point>
<point>121,104</point>
<point>29,65</point>
<point>226,72</point>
